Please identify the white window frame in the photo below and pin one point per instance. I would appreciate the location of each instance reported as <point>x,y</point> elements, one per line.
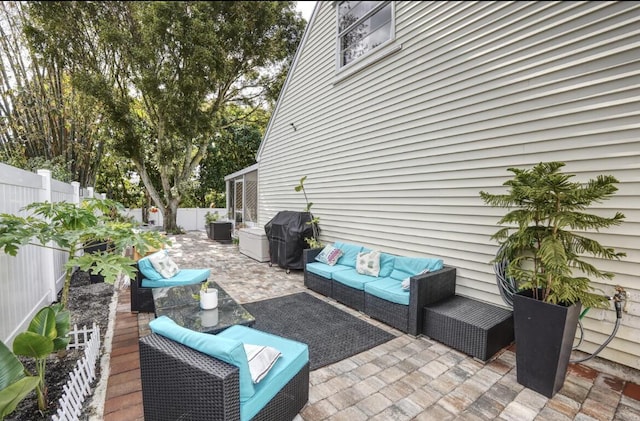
<point>364,59</point>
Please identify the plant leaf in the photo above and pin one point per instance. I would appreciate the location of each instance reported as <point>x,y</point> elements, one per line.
<point>44,323</point>
<point>30,344</point>
<point>13,394</point>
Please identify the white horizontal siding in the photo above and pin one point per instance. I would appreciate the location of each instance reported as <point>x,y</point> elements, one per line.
<point>396,153</point>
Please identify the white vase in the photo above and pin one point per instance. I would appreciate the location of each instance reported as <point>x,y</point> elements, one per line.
<point>209,299</point>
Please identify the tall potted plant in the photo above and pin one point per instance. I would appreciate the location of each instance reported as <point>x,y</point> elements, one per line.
<point>545,255</point>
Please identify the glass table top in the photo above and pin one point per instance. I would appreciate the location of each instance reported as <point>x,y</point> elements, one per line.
<point>179,304</point>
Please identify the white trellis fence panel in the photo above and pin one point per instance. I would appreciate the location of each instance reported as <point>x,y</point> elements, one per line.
<point>79,384</point>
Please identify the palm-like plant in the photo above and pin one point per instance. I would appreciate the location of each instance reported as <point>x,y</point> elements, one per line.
<point>543,248</point>
<point>67,227</point>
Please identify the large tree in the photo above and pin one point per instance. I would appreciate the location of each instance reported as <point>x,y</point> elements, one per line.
<point>164,73</point>
<point>233,149</point>
<point>45,123</point>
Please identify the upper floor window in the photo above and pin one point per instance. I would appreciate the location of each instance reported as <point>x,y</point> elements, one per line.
<point>362,26</point>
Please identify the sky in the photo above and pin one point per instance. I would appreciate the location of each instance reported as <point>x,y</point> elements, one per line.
<point>306,8</point>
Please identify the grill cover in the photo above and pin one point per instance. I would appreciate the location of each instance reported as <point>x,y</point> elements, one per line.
<point>286,233</point>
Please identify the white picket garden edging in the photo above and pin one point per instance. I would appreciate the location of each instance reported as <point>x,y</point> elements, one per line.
<point>77,388</point>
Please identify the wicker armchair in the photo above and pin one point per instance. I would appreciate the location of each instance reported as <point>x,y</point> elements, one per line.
<point>141,297</point>
<point>424,290</point>
<point>180,383</point>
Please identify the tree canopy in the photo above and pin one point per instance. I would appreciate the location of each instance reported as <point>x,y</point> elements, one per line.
<point>45,122</point>
<point>165,73</point>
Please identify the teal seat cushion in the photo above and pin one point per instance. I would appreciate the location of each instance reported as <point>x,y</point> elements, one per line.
<point>349,253</point>
<point>229,350</point>
<point>295,355</point>
<point>324,270</point>
<point>405,267</point>
<point>388,289</point>
<point>184,277</point>
<point>148,271</point>
<point>353,279</point>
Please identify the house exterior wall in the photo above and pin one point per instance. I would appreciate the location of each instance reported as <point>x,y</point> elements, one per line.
<point>396,151</point>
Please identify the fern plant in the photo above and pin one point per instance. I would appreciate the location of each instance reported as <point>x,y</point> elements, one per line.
<point>542,243</point>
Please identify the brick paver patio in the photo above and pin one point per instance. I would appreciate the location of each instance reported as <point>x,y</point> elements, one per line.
<point>407,378</point>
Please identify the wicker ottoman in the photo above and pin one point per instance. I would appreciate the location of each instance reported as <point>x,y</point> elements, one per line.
<point>473,327</point>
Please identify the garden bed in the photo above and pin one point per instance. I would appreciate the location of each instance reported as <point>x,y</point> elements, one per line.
<point>88,303</point>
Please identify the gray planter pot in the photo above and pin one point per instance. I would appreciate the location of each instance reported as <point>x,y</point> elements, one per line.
<point>544,335</point>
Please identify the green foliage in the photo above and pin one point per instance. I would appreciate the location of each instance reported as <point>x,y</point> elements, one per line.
<point>70,227</point>
<point>114,178</point>
<point>211,217</point>
<point>48,332</point>
<point>233,148</point>
<point>14,384</point>
<point>214,199</point>
<point>540,241</point>
<point>313,242</point>
<point>164,73</point>
<point>46,123</point>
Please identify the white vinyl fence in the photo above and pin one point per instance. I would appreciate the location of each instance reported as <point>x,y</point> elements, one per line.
<point>33,278</point>
<point>189,219</point>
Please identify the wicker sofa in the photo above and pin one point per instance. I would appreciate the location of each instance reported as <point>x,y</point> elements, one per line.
<point>183,382</point>
<point>148,278</point>
<point>382,297</point>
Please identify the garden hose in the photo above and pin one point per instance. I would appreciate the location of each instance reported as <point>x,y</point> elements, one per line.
<point>617,303</point>
<point>507,287</point>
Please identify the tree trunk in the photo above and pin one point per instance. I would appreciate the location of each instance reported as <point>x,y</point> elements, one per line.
<point>170,224</point>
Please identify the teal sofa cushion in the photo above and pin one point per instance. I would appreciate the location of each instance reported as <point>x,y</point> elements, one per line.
<point>295,355</point>
<point>148,271</point>
<point>353,279</point>
<point>349,253</point>
<point>388,289</point>
<point>386,264</point>
<point>324,270</point>
<point>184,277</point>
<point>229,350</point>
<point>405,267</point>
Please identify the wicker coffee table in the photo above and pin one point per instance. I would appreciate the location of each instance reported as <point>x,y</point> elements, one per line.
<point>178,304</point>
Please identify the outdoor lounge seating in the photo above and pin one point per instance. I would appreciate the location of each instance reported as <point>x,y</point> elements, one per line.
<point>382,297</point>
<point>147,278</point>
<point>189,375</point>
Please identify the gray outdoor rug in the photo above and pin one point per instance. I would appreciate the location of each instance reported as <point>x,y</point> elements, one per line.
<point>331,334</point>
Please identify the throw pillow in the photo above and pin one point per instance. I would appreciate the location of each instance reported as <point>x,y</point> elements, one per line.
<point>329,255</point>
<point>406,284</point>
<point>163,264</point>
<point>368,263</point>
<point>261,360</point>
